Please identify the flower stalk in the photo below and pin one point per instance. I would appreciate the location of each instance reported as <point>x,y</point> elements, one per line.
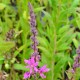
<point>32,63</point>
<point>34,33</point>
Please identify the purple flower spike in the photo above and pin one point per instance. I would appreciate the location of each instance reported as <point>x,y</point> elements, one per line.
<point>32,16</point>
<point>33,30</point>
<point>77,60</point>
<point>32,63</point>
<point>78,50</point>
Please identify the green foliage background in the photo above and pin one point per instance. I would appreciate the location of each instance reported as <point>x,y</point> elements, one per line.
<point>58,35</point>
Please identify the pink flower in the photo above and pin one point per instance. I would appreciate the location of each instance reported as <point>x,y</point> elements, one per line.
<point>32,65</point>
<point>27,75</point>
<point>42,70</point>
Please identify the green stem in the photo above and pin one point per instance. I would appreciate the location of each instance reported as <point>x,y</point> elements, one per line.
<point>54,53</point>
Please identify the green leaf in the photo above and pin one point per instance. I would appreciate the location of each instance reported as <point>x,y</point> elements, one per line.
<point>2,6</point>
<point>63,47</point>
<point>76,43</point>
<point>43,41</point>
<point>77,74</point>
<point>39,9</point>
<point>1,60</point>
<point>19,67</point>
<point>75,3</point>
<point>63,29</point>
<point>18,51</point>
<point>45,51</point>
<point>78,23</point>
<point>65,36</point>
<point>48,16</point>
<point>6,46</point>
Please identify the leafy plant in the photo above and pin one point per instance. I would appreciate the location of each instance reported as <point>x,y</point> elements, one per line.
<point>58,35</point>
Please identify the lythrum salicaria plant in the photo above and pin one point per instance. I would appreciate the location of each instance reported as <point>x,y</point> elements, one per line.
<point>32,63</point>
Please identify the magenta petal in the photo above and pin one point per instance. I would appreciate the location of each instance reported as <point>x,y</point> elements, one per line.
<point>36,64</point>
<point>27,61</point>
<point>35,69</point>
<point>27,66</point>
<point>44,69</point>
<point>42,75</point>
<point>26,75</point>
<point>32,60</point>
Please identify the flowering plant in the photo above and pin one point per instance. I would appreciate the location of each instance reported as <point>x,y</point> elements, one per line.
<point>32,63</point>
